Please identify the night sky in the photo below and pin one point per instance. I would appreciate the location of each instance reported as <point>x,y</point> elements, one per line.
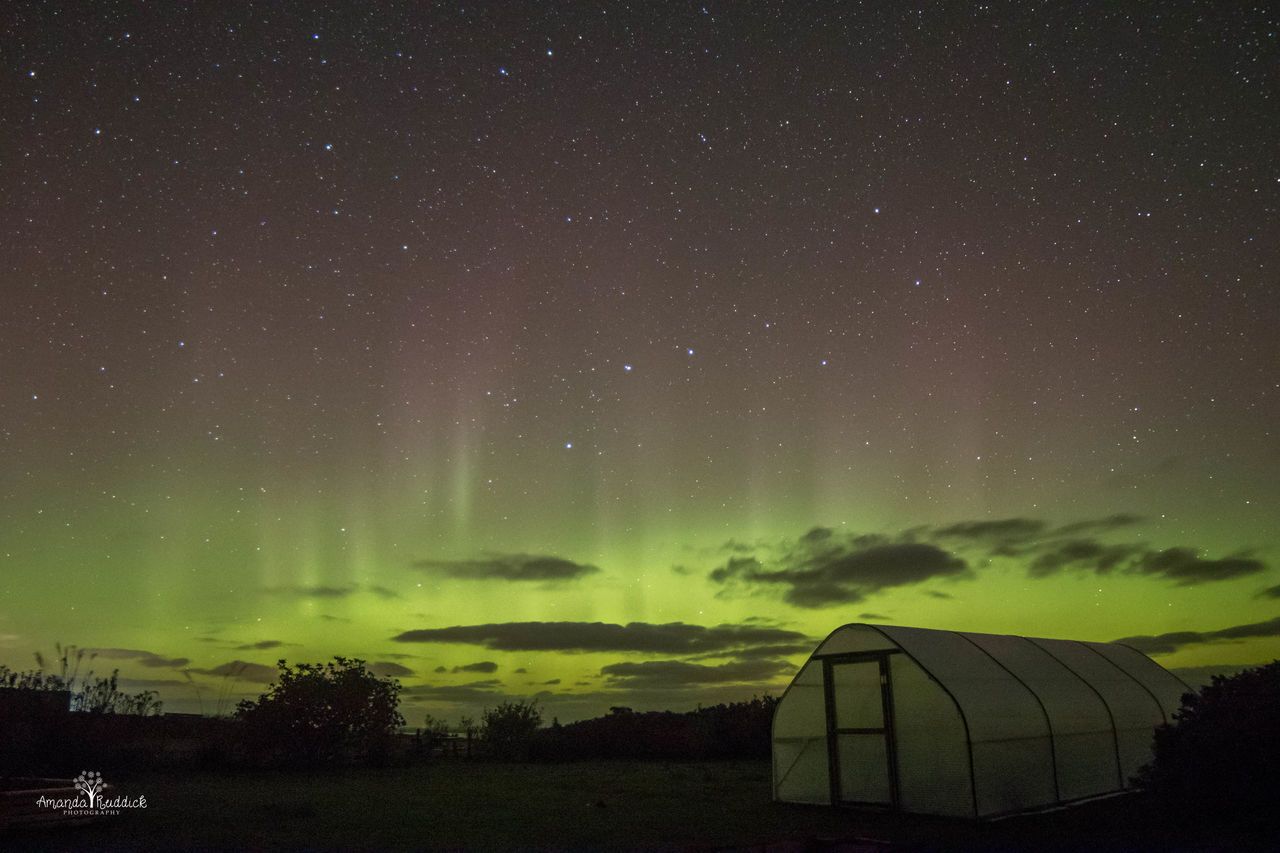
<point>615,353</point>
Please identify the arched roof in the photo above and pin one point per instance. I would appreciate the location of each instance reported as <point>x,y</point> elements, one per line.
<point>1070,718</point>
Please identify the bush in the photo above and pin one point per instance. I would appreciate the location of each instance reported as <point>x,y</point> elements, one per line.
<point>320,714</point>
<point>1222,753</point>
<point>507,731</point>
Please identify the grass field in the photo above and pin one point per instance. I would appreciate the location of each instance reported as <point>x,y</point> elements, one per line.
<point>459,805</point>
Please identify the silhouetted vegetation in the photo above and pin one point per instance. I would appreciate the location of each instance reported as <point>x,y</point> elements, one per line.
<point>89,693</point>
<point>1221,755</point>
<point>435,728</point>
<point>732,730</point>
<point>508,730</point>
<point>513,731</point>
<point>336,712</point>
<point>322,713</point>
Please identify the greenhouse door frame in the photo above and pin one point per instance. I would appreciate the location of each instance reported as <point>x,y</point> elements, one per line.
<point>886,730</point>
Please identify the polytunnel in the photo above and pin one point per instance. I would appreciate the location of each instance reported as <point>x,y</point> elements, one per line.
<point>964,724</point>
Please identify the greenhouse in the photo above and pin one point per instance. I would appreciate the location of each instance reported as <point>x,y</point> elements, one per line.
<point>966,725</point>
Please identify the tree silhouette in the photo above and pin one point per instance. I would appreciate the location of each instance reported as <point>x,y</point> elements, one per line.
<point>323,713</point>
<point>1222,752</point>
<point>508,729</point>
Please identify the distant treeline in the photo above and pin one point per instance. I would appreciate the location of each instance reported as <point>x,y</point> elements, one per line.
<point>731,730</point>
<point>337,713</point>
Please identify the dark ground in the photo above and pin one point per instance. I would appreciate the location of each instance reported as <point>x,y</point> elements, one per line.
<point>460,805</point>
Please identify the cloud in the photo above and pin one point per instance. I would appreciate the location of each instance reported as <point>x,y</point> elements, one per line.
<point>1016,537</point>
<point>151,683</point>
<point>510,567</point>
<point>733,546</point>
<point>328,591</point>
<point>736,567</point>
<point>263,644</point>
<point>1163,644</point>
<point>479,666</point>
<point>390,669</point>
<point>649,638</point>
<point>1087,554</point>
<point>772,651</point>
<point>139,656</point>
<point>487,690</point>
<point>677,673</point>
<point>1100,525</point>
<point>822,569</point>
<point>827,566</point>
<point>999,530</point>
<point>551,682</point>
<point>1182,566</point>
<point>1185,567</point>
<point>1270,592</point>
<point>242,670</point>
<point>317,591</point>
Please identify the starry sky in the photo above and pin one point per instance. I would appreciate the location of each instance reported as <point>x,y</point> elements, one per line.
<point>615,353</point>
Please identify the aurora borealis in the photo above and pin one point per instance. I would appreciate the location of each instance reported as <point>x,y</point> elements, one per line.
<point>616,352</point>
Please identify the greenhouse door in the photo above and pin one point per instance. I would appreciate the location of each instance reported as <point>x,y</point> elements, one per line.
<point>860,730</point>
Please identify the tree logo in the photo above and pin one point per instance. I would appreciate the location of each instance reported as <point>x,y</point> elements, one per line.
<point>89,783</point>
<point>91,798</point>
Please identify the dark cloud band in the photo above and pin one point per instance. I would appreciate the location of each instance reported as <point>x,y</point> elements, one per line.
<point>645,637</point>
<point>824,570</point>
<point>140,656</point>
<point>510,567</point>
<point>676,673</point>
<point>1162,644</point>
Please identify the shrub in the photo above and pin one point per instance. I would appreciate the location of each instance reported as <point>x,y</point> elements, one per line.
<point>323,713</point>
<point>507,730</point>
<point>1222,752</point>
